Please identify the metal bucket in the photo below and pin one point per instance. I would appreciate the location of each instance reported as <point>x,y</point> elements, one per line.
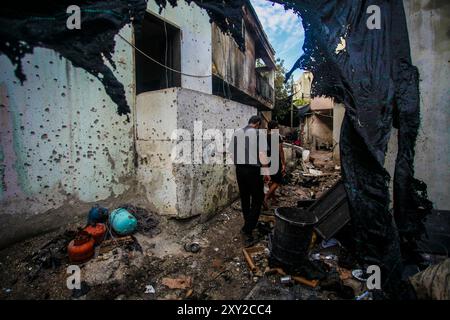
<point>292,235</point>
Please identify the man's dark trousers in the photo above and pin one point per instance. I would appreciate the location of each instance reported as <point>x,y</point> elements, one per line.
<point>251,189</point>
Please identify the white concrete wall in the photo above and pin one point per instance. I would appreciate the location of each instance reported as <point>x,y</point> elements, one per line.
<point>156,119</point>
<point>185,190</point>
<point>317,131</point>
<point>429,25</point>
<point>61,140</point>
<point>195,42</point>
<point>338,117</point>
<point>321,103</point>
<point>60,134</point>
<point>302,87</point>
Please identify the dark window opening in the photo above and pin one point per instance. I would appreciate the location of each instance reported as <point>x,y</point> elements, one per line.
<point>161,41</point>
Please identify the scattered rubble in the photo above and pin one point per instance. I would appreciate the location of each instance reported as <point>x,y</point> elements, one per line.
<point>169,259</point>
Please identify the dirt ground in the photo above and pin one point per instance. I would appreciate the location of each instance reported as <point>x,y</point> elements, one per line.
<point>217,271</point>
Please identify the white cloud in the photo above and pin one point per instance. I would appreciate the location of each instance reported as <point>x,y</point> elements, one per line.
<point>284,29</point>
<point>275,19</point>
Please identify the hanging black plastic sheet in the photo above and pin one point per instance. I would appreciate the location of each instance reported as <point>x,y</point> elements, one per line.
<point>370,71</point>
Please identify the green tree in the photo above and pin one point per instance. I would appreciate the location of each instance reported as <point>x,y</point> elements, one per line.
<point>301,102</point>
<point>283,94</point>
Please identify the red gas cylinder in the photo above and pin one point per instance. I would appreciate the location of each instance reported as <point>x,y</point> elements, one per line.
<point>81,248</point>
<point>97,231</point>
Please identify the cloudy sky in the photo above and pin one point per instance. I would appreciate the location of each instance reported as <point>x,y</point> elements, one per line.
<point>284,30</point>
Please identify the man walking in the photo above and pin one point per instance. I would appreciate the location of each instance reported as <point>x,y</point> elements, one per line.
<point>249,159</point>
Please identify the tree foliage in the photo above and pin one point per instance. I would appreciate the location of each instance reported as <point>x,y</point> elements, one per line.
<point>283,95</point>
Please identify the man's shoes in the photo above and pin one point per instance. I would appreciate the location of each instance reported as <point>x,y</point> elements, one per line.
<point>248,236</point>
<point>263,229</point>
<point>246,233</point>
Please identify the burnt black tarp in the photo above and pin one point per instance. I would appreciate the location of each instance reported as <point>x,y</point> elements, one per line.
<point>303,111</point>
<point>375,79</point>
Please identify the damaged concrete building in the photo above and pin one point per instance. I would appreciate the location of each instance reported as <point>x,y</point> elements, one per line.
<point>62,142</point>
<point>320,124</point>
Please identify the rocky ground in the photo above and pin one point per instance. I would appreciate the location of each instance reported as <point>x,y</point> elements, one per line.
<point>157,266</point>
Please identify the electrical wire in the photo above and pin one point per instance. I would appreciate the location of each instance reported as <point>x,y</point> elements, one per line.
<point>161,64</point>
<point>166,45</point>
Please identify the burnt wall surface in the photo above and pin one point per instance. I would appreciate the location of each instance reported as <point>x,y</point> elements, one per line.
<point>429,34</point>
<point>233,65</point>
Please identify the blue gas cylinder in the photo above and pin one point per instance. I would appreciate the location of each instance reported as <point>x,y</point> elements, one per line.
<point>122,221</point>
<point>97,214</point>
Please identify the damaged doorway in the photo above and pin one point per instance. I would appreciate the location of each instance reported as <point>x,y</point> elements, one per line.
<point>161,41</point>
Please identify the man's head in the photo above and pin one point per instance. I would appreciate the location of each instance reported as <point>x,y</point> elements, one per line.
<point>272,125</point>
<point>255,122</point>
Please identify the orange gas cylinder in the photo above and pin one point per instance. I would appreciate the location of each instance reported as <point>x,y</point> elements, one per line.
<point>97,231</point>
<point>81,248</point>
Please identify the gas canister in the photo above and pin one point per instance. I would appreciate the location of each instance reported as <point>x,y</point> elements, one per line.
<point>81,248</point>
<point>97,231</point>
<point>122,221</point>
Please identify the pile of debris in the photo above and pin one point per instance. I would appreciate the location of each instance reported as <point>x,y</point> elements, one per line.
<point>314,173</point>
<point>145,256</point>
<point>302,246</point>
<point>329,271</point>
<point>105,235</point>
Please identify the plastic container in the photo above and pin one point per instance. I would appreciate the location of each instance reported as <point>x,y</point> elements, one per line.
<point>97,214</point>
<point>97,231</point>
<point>122,221</point>
<point>292,235</point>
<point>81,249</point>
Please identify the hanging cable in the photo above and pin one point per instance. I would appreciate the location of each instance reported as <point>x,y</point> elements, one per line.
<point>166,45</point>
<point>161,64</point>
